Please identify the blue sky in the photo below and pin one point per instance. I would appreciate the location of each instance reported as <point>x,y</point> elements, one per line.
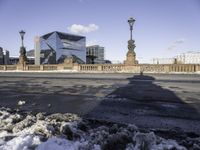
<point>163,28</point>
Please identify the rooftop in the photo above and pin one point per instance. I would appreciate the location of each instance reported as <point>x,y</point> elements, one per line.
<point>63,35</point>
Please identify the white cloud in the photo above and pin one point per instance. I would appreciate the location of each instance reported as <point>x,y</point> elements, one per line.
<point>182,40</point>
<point>78,28</point>
<point>176,44</point>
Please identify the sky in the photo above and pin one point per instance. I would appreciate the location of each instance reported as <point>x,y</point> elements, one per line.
<point>163,28</point>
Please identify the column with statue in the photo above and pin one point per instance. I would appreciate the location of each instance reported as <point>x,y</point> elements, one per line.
<point>22,58</point>
<point>131,55</point>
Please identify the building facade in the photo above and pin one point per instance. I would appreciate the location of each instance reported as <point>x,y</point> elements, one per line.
<point>95,54</point>
<point>164,60</point>
<point>14,60</point>
<point>54,47</point>
<point>189,58</point>
<point>30,53</point>
<point>184,58</point>
<point>4,57</point>
<point>1,56</point>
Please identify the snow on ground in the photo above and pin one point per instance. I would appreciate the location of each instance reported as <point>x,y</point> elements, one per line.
<point>21,102</point>
<point>25,131</point>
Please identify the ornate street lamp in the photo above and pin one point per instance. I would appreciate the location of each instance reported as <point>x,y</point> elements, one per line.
<point>22,57</point>
<point>131,22</point>
<point>131,55</point>
<point>22,33</point>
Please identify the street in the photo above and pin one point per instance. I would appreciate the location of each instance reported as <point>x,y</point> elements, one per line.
<point>155,101</point>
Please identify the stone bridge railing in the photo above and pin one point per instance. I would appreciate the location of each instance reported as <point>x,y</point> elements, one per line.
<point>107,68</point>
<point>8,67</point>
<point>102,68</point>
<point>145,68</point>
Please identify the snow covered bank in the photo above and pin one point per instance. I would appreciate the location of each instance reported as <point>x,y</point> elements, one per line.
<point>23,131</point>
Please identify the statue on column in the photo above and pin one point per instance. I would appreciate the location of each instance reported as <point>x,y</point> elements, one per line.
<point>131,55</point>
<point>22,57</point>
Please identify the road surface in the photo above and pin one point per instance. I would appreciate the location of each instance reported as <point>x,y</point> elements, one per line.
<point>160,101</point>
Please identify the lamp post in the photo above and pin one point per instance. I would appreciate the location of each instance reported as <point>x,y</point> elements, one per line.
<point>22,33</point>
<point>131,22</point>
<point>22,57</point>
<point>131,55</point>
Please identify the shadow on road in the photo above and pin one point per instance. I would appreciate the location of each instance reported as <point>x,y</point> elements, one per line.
<point>147,104</point>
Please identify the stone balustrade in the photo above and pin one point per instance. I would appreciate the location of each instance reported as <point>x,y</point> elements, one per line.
<point>88,67</point>
<point>8,67</point>
<point>50,67</point>
<point>108,68</point>
<point>114,67</point>
<point>33,67</point>
<point>183,68</point>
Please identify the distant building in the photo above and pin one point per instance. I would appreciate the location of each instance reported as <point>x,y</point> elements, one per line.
<point>116,62</point>
<point>95,54</point>
<point>30,53</point>
<point>4,57</point>
<point>164,60</point>
<point>108,62</point>
<point>1,56</point>
<point>184,58</point>
<point>54,47</point>
<point>189,58</point>
<point>15,59</point>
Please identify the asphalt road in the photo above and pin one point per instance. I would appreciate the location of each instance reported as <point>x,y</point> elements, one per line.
<point>150,101</point>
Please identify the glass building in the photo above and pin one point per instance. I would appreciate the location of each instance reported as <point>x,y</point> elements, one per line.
<point>95,54</point>
<point>56,46</point>
<point>4,57</point>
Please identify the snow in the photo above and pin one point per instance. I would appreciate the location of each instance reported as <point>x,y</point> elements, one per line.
<point>151,142</point>
<point>68,131</point>
<point>22,142</point>
<point>63,144</point>
<point>21,102</point>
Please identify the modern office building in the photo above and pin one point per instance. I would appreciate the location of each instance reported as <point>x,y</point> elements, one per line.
<point>54,47</point>
<point>4,57</point>
<point>14,60</point>
<point>30,53</point>
<point>1,56</point>
<point>95,54</point>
